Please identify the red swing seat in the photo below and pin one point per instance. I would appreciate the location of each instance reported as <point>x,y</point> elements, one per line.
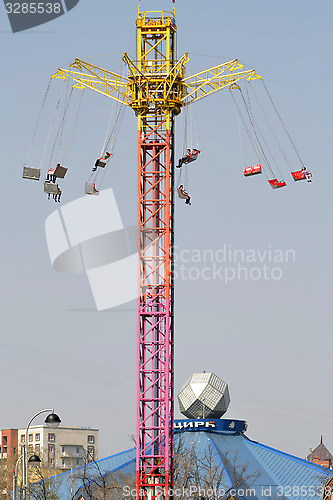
<point>277,184</point>
<point>299,175</point>
<point>253,170</point>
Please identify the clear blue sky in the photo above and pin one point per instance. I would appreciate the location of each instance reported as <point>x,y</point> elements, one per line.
<point>271,340</point>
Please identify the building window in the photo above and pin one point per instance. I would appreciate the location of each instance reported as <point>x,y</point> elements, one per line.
<point>91,439</point>
<point>37,448</point>
<point>4,440</point>
<point>30,448</point>
<point>77,451</point>
<point>37,437</point>
<point>63,462</point>
<point>77,462</point>
<point>91,453</point>
<point>63,449</point>
<point>51,460</point>
<point>30,438</point>
<point>51,437</point>
<point>22,438</point>
<point>51,448</point>
<point>4,449</point>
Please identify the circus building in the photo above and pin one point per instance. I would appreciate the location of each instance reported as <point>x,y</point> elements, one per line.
<point>321,456</point>
<point>214,459</point>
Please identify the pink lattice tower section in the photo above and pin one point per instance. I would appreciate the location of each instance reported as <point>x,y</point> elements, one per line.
<point>155,307</point>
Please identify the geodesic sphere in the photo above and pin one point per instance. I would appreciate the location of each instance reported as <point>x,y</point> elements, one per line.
<point>204,395</point>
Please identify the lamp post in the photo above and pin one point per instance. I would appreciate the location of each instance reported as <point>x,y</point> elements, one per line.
<point>34,460</point>
<point>52,421</point>
<point>15,477</point>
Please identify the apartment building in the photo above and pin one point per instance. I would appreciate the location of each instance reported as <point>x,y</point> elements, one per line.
<point>63,447</point>
<point>8,443</point>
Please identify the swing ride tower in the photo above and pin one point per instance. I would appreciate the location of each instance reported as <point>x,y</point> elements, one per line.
<point>156,88</point>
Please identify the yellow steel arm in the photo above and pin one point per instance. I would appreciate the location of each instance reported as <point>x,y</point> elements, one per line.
<point>175,72</point>
<point>213,79</point>
<point>140,89</point>
<point>140,80</point>
<point>134,71</point>
<point>99,79</point>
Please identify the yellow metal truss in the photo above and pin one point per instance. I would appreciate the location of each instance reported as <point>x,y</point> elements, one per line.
<point>155,81</point>
<point>99,79</point>
<point>170,90</point>
<point>213,79</point>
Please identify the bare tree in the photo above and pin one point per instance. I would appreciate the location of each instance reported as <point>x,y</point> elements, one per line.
<point>96,485</point>
<point>240,476</point>
<point>204,474</point>
<point>45,486</point>
<point>7,468</point>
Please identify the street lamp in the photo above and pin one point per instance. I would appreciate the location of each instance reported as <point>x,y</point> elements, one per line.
<point>33,460</point>
<point>52,421</point>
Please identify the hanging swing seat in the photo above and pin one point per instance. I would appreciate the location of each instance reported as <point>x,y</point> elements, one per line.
<point>188,158</point>
<point>91,188</point>
<point>31,173</point>
<point>182,194</point>
<point>101,162</point>
<point>300,175</point>
<point>193,156</point>
<point>58,171</point>
<point>277,184</point>
<point>51,188</point>
<point>253,170</point>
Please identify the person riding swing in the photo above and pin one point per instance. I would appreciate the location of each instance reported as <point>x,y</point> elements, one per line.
<point>190,155</point>
<point>184,195</point>
<point>101,162</point>
<point>306,174</point>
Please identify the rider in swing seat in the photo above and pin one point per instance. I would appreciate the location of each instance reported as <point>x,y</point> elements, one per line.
<point>187,156</point>
<point>306,174</point>
<point>103,160</point>
<point>184,195</point>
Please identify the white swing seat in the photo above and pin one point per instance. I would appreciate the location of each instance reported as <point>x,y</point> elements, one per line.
<point>91,188</point>
<point>181,195</point>
<point>51,188</point>
<point>58,171</point>
<point>31,173</point>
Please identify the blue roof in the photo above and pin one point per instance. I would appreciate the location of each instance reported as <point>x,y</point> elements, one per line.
<point>248,469</point>
<point>68,484</point>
